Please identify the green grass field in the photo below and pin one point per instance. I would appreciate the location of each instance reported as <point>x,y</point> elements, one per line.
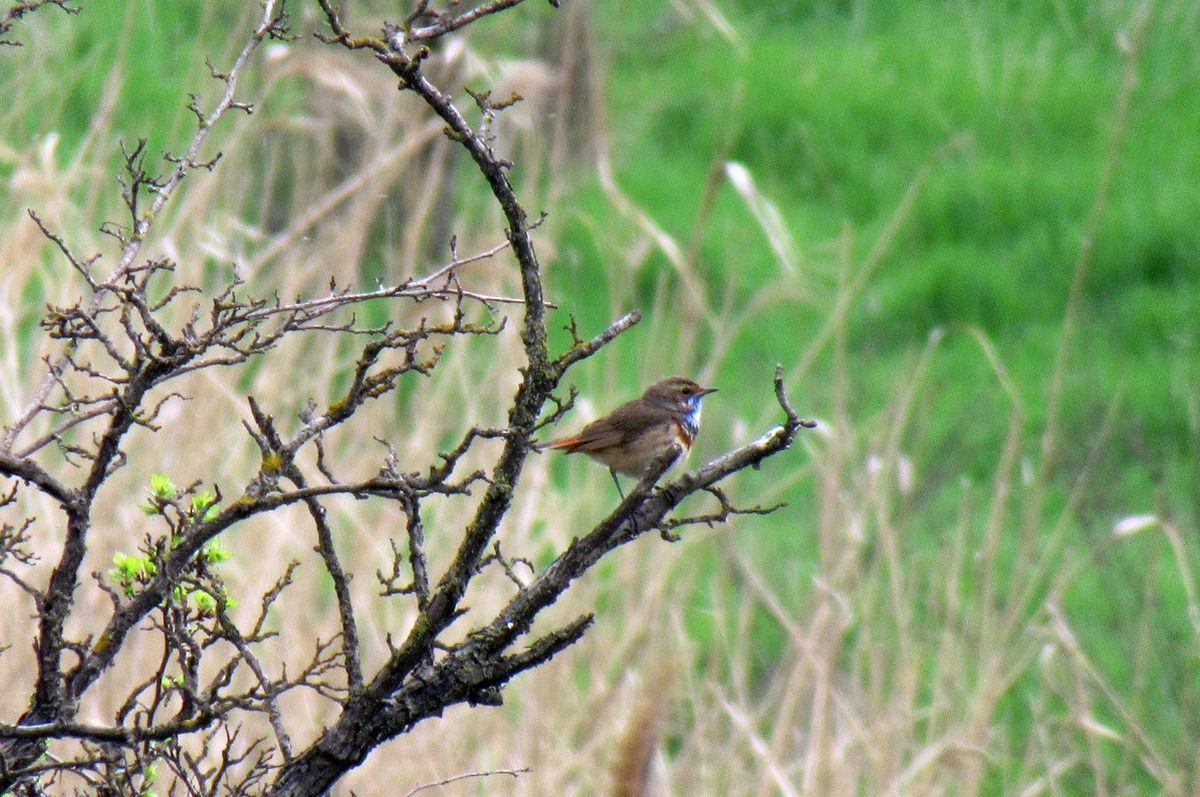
<point>948,604</point>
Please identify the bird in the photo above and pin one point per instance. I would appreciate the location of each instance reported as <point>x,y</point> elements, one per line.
<point>632,437</point>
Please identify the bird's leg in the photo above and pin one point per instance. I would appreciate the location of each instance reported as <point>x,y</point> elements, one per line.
<point>617,482</point>
<point>621,493</point>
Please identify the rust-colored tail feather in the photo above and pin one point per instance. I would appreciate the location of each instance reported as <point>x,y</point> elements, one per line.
<point>563,443</point>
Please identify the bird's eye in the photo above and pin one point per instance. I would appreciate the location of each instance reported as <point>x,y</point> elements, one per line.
<point>686,390</point>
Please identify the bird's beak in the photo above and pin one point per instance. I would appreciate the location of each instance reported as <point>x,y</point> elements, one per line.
<point>706,391</point>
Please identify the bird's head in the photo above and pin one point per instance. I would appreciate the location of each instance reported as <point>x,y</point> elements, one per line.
<point>678,393</point>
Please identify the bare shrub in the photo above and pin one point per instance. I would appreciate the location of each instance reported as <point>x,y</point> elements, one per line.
<point>186,661</point>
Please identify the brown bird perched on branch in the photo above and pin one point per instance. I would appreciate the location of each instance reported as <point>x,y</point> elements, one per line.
<point>633,436</point>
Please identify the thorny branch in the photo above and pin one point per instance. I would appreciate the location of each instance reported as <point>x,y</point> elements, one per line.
<point>119,347</point>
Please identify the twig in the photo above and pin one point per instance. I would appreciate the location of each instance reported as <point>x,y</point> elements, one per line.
<point>20,9</point>
<point>516,773</point>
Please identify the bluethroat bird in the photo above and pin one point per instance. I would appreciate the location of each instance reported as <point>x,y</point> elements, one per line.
<point>630,438</point>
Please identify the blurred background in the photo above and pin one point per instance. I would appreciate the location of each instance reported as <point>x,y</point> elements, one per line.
<point>968,232</point>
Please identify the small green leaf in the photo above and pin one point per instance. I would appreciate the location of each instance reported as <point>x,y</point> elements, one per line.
<point>202,501</point>
<point>131,570</point>
<point>203,602</point>
<point>215,553</point>
<point>161,486</point>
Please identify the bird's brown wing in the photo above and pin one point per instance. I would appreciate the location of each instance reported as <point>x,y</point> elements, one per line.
<point>617,428</point>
